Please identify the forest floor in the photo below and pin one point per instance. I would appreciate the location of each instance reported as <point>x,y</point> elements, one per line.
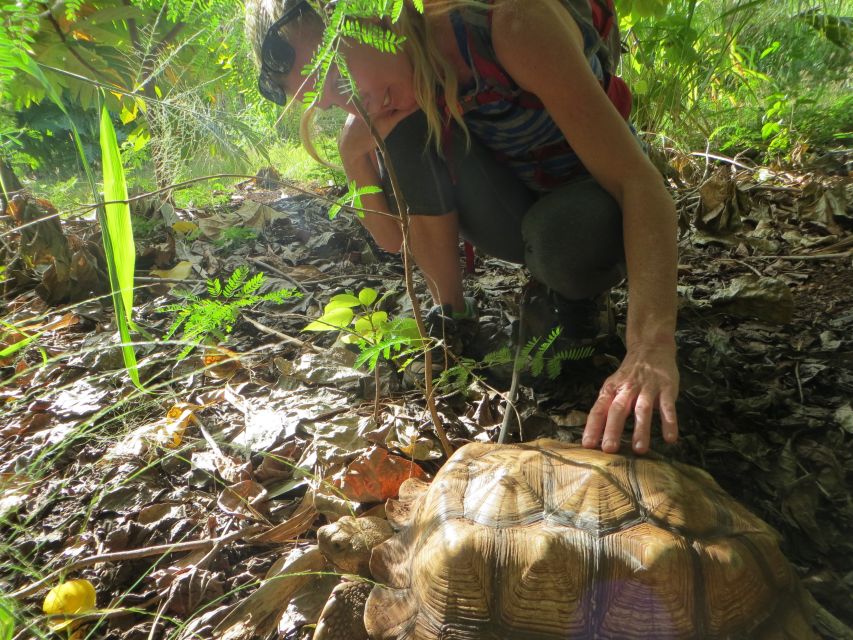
<point>238,450</point>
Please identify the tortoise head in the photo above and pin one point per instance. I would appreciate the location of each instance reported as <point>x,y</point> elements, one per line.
<point>348,542</point>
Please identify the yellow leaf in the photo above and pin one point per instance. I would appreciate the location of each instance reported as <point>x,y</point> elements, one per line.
<point>82,35</point>
<point>185,226</point>
<point>180,271</point>
<point>69,598</point>
<point>127,116</point>
<point>169,432</point>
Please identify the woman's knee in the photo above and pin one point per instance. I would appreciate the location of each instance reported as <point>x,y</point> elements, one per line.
<point>573,239</point>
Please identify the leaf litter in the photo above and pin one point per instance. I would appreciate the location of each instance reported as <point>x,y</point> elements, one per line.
<point>242,450</point>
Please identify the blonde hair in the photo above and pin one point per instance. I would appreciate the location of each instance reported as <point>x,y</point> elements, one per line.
<point>433,73</point>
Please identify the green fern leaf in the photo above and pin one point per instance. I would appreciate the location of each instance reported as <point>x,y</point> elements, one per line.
<point>254,283</point>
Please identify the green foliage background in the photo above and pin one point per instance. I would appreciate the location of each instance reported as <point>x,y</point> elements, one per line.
<point>736,75</point>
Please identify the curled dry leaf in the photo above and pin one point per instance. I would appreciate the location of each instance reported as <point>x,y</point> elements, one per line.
<point>258,615</point>
<point>169,430</point>
<point>377,476</point>
<point>298,523</point>
<point>192,589</point>
<point>221,363</point>
<point>768,299</point>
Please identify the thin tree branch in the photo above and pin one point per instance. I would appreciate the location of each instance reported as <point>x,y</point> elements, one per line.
<point>68,46</point>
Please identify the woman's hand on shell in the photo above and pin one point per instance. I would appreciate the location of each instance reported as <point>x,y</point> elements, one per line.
<point>646,380</point>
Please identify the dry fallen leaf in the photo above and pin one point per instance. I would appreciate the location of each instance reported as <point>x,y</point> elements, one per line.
<point>377,476</point>
<point>180,271</point>
<point>220,362</point>
<point>246,498</point>
<point>169,431</point>
<point>185,227</point>
<point>258,615</point>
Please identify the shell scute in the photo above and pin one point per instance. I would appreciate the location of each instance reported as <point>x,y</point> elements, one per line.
<point>646,577</point>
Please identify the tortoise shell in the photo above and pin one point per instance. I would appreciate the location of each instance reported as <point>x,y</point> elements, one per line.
<point>549,540</point>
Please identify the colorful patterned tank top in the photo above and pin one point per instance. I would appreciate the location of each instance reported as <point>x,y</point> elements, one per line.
<point>512,122</point>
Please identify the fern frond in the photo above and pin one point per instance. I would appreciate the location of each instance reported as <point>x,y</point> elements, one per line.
<point>528,348</point>
<point>254,283</point>
<point>553,368</point>
<point>552,337</point>
<point>372,35</point>
<point>537,364</point>
<point>495,358</point>
<point>235,281</point>
<point>576,353</point>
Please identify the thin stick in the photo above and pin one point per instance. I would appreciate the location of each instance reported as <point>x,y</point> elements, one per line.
<point>281,336</point>
<point>410,284</point>
<point>731,161</point>
<point>135,554</point>
<point>516,374</point>
<point>278,272</point>
<point>814,256</point>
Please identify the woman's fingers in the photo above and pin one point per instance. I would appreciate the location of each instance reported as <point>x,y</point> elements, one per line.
<point>618,413</point>
<point>668,418</point>
<point>643,422</point>
<point>597,417</point>
<point>644,382</point>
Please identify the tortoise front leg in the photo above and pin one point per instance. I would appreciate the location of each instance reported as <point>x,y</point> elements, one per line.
<point>343,616</point>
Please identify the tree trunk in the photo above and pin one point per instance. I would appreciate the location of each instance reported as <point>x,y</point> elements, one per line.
<point>10,184</point>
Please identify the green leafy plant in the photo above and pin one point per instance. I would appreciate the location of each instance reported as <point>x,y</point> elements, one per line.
<point>352,198</point>
<point>204,318</point>
<point>360,322</point>
<point>537,357</point>
<point>233,237</point>
<point>119,246</point>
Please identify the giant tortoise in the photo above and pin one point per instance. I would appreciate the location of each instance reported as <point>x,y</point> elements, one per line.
<point>550,540</point>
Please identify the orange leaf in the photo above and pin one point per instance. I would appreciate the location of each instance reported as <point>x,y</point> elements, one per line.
<point>377,476</point>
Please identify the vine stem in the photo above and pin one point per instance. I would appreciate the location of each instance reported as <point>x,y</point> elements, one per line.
<point>403,210</point>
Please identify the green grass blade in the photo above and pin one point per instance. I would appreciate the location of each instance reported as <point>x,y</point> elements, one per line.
<point>7,620</point>
<point>115,223</point>
<point>117,234</point>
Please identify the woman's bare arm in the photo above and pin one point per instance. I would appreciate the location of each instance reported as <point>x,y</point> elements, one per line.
<point>540,45</point>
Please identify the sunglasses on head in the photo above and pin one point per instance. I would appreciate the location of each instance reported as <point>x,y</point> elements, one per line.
<point>277,55</point>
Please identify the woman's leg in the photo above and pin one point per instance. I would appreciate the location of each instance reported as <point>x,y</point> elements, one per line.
<point>427,191</point>
<point>489,198</point>
<point>570,239</point>
<point>573,240</point>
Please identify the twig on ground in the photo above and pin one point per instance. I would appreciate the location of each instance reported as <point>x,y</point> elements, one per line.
<point>271,268</point>
<point>731,161</point>
<point>282,336</point>
<point>135,554</point>
<point>810,256</point>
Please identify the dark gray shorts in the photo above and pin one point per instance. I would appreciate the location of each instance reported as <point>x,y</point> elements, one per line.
<point>569,238</point>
